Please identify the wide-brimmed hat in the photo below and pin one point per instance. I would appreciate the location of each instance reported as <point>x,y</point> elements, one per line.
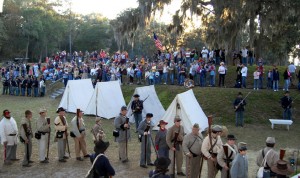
<point>177,118</point>
<point>60,109</point>
<point>101,146</point>
<point>42,110</point>
<point>217,128</point>
<point>270,140</point>
<point>162,163</point>
<point>98,119</point>
<point>136,95</point>
<point>162,122</point>
<point>282,168</point>
<point>231,137</point>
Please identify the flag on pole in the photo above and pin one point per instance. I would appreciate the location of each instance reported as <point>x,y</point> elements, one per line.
<point>157,42</point>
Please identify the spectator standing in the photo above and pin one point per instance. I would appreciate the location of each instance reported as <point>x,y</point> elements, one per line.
<point>292,69</point>
<point>256,79</point>
<point>275,79</point>
<point>286,77</point>
<point>222,73</point>
<point>244,72</point>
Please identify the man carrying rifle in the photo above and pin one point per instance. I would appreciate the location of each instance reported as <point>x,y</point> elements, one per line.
<point>137,109</point>
<point>210,147</point>
<point>191,147</point>
<point>78,133</point>
<point>239,104</point>
<point>145,129</point>
<point>61,135</point>
<point>26,137</point>
<point>122,126</point>
<point>226,156</point>
<point>174,140</point>
<point>44,129</point>
<point>286,103</point>
<point>9,139</point>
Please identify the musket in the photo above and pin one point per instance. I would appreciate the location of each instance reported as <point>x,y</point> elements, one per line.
<point>174,154</point>
<point>282,153</point>
<point>209,129</point>
<point>146,139</point>
<point>225,148</point>
<point>48,121</point>
<point>142,101</point>
<point>237,107</point>
<point>66,134</point>
<point>201,164</point>
<point>27,144</point>
<point>154,146</point>
<point>126,141</point>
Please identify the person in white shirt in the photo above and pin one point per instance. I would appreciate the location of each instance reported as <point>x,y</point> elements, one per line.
<point>244,75</point>
<point>204,53</point>
<point>292,69</point>
<point>222,73</point>
<point>256,78</point>
<point>9,137</point>
<point>244,56</point>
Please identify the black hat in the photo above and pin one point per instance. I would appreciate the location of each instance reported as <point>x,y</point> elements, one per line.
<point>149,115</point>
<point>60,109</point>
<point>282,168</point>
<point>162,163</point>
<point>123,108</point>
<point>101,146</point>
<point>136,95</point>
<point>231,137</point>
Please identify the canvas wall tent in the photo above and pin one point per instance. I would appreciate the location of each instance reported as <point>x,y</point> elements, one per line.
<point>77,95</point>
<point>151,104</point>
<point>106,101</point>
<point>187,107</point>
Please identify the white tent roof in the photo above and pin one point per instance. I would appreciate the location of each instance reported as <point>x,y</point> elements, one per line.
<point>77,95</point>
<point>151,105</point>
<point>106,101</point>
<point>190,112</point>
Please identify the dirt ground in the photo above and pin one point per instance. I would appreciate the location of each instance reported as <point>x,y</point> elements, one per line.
<point>254,134</point>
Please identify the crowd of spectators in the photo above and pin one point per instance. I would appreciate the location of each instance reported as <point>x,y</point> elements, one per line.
<point>183,67</point>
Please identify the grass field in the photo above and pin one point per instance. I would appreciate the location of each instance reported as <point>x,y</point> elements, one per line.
<point>261,106</point>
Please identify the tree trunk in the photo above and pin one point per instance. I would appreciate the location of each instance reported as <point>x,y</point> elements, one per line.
<point>27,47</point>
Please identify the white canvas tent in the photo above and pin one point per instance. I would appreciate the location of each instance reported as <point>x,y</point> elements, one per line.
<point>187,107</point>
<point>151,104</point>
<point>106,101</point>
<point>77,95</point>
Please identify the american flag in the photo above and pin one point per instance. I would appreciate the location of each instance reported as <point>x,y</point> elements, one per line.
<point>157,42</point>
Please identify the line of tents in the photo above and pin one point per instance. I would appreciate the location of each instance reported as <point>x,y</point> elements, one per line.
<point>106,99</point>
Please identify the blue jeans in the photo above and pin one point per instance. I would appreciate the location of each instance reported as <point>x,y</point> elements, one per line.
<point>261,80</point>
<point>287,114</point>
<point>239,118</point>
<point>188,62</point>
<point>65,81</point>
<point>172,78</point>
<point>202,81</point>
<point>255,83</point>
<point>165,76</point>
<point>151,82</point>
<point>244,61</point>
<point>35,92</point>
<point>269,83</point>
<point>5,90</point>
<point>23,91</point>
<point>212,80</point>
<point>251,61</point>
<point>17,91</point>
<point>28,91</point>
<point>137,119</point>
<point>244,81</point>
<point>181,79</point>
<point>275,85</point>
<point>286,84</point>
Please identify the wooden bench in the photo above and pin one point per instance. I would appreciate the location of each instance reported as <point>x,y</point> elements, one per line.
<point>281,122</point>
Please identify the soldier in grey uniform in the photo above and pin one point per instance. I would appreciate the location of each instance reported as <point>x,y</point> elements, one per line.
<point>191,147</point>
<point>177,128</point>
<point>210,150</point>
<point>97,130</point>
<point>61,126</point>
<point>223,160</point>
<point>78,130</point>
<point>239,168</point>
<point>26,135</point>
<point>122,126</point>
<point>145,130</point>
<point>43,127</point>
<point>271,155</point>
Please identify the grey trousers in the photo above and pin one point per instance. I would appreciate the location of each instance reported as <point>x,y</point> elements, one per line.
<point>61,148</point>
<point>27,152</point>
<point>122,151</point>
<point>148,151</point>
<point>11,152</point>
<point>193,166</point>
<point>178,161</point>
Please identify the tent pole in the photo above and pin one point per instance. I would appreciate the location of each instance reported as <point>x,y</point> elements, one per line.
<point>96,101</point>
<point>68,98</point>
